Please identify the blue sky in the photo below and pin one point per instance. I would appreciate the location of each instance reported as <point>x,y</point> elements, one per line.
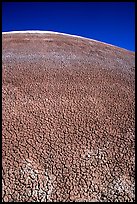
<point>110,22</point>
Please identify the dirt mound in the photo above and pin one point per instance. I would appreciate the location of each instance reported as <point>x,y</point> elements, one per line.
<point>68,119</point>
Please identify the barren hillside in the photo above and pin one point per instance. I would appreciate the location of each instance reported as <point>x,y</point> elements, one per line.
<point>68,119</point>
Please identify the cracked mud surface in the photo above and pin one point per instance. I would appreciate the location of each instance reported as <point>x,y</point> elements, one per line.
<point>68,120</point>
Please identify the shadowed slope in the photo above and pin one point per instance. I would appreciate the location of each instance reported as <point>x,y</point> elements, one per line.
<point>68,119</point>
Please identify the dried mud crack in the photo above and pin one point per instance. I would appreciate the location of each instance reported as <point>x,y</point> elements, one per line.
<point>68,120</point>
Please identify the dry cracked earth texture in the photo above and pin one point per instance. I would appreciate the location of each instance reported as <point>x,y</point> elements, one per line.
<point>68,120</point>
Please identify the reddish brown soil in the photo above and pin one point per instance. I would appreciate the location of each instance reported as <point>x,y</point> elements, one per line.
<point>67,120</point>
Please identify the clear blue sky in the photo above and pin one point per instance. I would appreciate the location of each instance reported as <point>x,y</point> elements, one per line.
<point>110,22</point>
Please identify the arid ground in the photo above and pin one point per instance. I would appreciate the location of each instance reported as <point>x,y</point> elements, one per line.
<point>68,119</point>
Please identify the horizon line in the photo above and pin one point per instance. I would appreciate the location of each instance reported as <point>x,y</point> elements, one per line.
<point>59,33</point>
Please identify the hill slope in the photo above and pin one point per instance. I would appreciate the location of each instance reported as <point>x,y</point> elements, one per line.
<point>68,109</point>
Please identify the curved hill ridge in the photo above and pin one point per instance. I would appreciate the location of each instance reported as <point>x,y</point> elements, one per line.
<point>57,33</point>
<point>68,120</point>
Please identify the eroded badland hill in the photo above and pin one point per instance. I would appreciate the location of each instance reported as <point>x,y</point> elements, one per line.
<point>68,119</point>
